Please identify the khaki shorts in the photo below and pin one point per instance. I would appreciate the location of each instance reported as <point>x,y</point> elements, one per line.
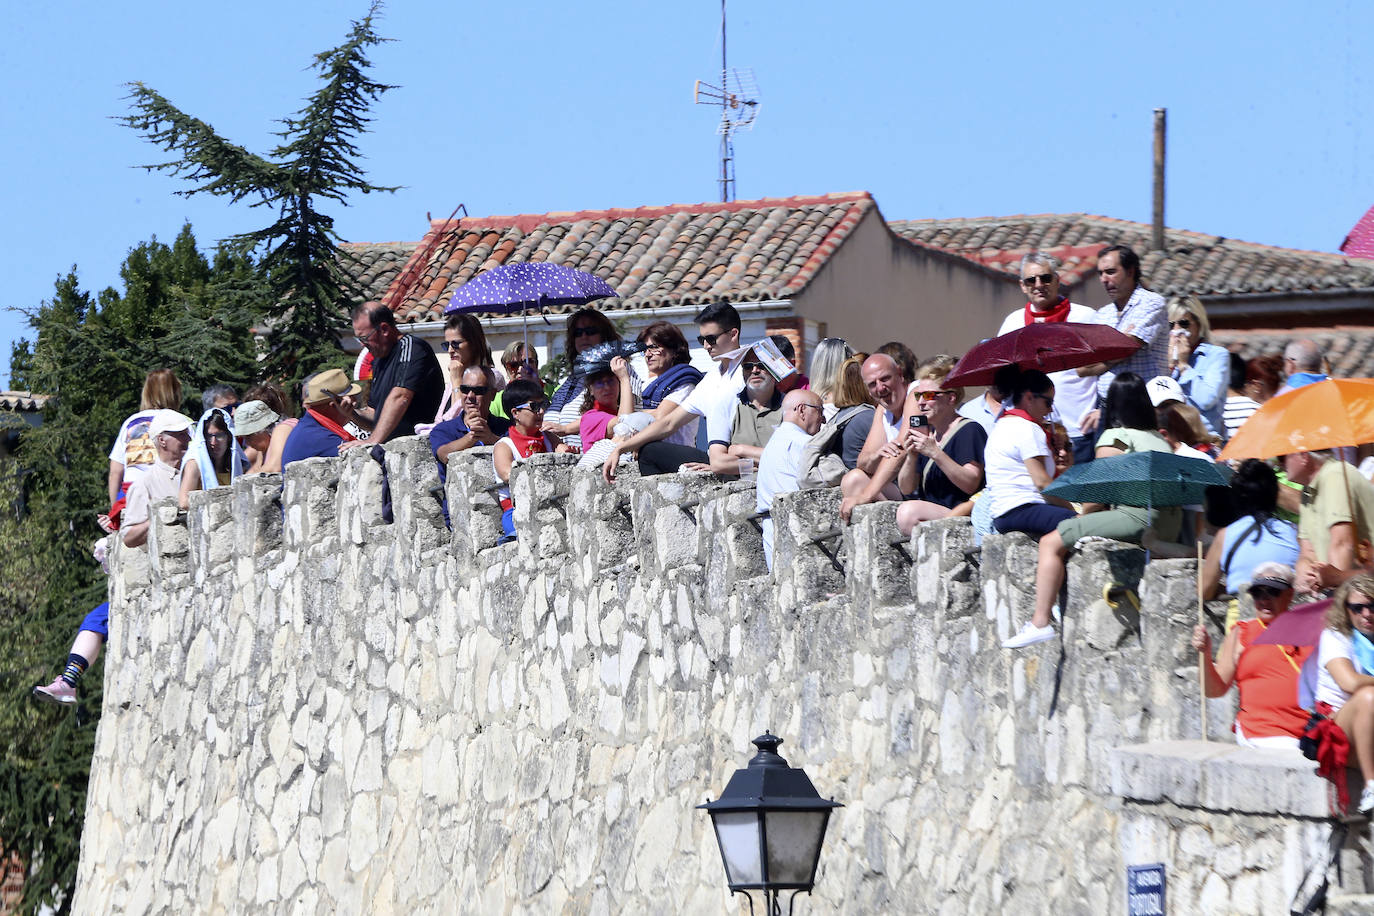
<point>1124,523</point>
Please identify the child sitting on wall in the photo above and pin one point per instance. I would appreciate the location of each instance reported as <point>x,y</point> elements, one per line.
<point>526,403</point>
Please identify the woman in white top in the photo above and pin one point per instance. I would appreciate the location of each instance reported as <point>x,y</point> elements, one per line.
<point>1345,656</point>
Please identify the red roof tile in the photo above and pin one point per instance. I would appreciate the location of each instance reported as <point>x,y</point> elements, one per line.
<point>682,254</point>
<point>1360,242</point>
<point>1194,262</point>
<point>1350,350</point>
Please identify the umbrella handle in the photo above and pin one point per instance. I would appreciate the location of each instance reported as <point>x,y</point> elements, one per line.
<point>1202,653</point>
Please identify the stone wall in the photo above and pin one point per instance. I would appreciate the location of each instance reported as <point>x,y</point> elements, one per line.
<point>310,710</point>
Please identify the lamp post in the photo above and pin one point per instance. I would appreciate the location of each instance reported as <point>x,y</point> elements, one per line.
<point>770,823</point>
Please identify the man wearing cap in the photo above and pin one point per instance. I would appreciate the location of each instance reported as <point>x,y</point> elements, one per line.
<point>407,381</point>
<point>474,424</point>
<point>1336,521</point>
<point>171,434</point>
<point>1266,676</point>
<point>328,399</point>
<point>1164,391</point>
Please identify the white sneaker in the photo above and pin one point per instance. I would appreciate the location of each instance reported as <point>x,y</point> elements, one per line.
<point>1028,635</point>
<point>1367,799</point>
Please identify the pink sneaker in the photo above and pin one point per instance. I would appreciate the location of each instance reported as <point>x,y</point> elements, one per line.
<point>59,692</point>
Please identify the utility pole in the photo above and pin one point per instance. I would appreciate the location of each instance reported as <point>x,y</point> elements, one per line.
<point>1161,125</point>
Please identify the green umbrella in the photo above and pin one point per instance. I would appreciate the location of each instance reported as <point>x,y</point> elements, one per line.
<point>1149,479</point>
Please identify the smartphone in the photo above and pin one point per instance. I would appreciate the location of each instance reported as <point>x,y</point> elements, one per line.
<point>919,421</point>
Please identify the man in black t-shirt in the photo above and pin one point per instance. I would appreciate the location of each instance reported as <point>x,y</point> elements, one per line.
<point>407,382</point>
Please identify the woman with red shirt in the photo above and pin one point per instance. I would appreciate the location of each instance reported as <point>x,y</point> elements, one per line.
<point>1266,675</point>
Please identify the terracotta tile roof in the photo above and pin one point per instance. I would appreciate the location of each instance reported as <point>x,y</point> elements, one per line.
<point>682,254</point>
<point>1197,263</point>
<point>23,401</point>
<point>1360,242</point>
<point>1349,349</point>
<point>375,265</point>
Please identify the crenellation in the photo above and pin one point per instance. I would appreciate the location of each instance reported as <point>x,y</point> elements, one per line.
<point>311,710</point>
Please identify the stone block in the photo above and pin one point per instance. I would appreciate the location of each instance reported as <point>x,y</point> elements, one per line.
<point>604,536</point>
<point>879,562</point>
<point>474,510</point>
<point>210,530</point>
<point>730,540</point>
<point>666,511</point>
<point>415,505</point>
<point>945,574</point>
<point>257,514</point>
<point>1219,777</point>
<point>808,547</point>
<point>310,497</point>
<point>540,487</point>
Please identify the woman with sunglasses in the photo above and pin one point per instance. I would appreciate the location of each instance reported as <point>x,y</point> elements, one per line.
<point>1130,426</point>
<point>1201,368</point>
<point>525,401</point>
<point>466,345</point>
<point>587,327</point>
<point>1345,674</point>
<point>1265,675</point>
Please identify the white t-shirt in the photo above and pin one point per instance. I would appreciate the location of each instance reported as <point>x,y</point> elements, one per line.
<point>1332,645</point>
<point>715,398</point>
<point>687,435</point>
<point>1074,395</point>
<point>133,447</point>
<point>1014,441</point>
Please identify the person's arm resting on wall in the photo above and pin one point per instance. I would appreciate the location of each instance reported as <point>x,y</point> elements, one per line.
<point>393,409</point>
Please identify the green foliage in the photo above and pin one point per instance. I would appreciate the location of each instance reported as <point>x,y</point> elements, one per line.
<point>177,311</point>
<point>309,291</point>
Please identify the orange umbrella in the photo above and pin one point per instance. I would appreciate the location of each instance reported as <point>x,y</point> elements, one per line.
<point>1329,414</point>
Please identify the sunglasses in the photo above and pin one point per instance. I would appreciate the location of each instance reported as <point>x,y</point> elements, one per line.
<point>1364,608</point>
<point>931,395</point>
<point>1038,280</point>
<point>586,331</point>
<point>452,345</point>
<point>1181,323</point>
<point>217,437</point>
<point>751,368</point>
<point>1268,591</point>
<point>1049,401</point>
<point>707,340</point>
<point>532,406</point>
<point>473,389</point>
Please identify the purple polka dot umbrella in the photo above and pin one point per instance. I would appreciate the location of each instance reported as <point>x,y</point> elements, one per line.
<point>512,288</point>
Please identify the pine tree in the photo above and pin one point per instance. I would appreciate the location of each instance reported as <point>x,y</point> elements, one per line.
<point>91,353</point>
<point>308,288</point>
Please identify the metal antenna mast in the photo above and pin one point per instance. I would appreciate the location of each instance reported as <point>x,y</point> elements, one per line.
<point>738,98</point>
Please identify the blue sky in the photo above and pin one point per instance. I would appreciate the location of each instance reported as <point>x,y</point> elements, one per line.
<point>938,110</point>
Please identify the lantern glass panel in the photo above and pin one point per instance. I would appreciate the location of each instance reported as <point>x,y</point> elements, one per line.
<point>740,842</point>
<point>794,839</point>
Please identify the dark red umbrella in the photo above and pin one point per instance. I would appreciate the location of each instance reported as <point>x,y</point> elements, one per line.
<point>1298,626</point>
<point>1048,347</point>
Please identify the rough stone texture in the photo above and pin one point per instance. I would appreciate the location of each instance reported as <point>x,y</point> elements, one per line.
<point>310,710</point>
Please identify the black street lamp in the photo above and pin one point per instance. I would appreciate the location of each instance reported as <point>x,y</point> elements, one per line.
<point>770,823</point>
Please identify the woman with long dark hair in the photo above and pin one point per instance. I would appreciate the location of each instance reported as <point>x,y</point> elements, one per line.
<point>1255,537</point>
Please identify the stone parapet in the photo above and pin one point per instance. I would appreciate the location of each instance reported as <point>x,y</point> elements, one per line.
<point>310,709</point>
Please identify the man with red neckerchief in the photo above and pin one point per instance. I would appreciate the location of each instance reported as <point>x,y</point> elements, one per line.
<point>328,399</point>
<point>1075,395</point>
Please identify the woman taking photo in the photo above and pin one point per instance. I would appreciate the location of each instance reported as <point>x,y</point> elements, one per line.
<point>1345,660</point>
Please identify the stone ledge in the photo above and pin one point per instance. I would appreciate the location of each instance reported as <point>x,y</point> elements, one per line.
<point>1219,777</point>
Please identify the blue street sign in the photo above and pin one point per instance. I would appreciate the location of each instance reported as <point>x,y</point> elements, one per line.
<point>1145,890</point>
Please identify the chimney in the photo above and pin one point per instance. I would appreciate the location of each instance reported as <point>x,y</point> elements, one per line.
<point>1157,235</point>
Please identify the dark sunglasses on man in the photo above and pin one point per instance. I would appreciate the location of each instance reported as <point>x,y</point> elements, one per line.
<point>1037,280</point>
<point>474,389</point>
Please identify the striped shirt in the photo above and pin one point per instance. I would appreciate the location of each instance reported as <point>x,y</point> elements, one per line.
<point>1237,411</point>
<point>1144,317</point>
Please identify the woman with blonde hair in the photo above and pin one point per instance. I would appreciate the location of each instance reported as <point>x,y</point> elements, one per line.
<point>1345,674</point>
<point>824,370</point>
<point>1201,368</point>
<point>133,451</point>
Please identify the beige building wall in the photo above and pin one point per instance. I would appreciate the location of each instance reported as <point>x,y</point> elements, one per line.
<point>877,287</point>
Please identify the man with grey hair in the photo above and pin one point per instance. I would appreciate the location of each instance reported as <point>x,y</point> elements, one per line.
<point>1336,522</point>
<point>1075,396</point>
<point>219,395</point>
<point>1302,363</point>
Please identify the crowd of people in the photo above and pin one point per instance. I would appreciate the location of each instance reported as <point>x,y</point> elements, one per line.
<point>881,425</point>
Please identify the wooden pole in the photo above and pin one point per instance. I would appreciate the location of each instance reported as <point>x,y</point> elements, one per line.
<point>1157,235</point>
<point>1202,654</point>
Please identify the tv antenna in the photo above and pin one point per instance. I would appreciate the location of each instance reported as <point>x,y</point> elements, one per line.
<point>738,98</point>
